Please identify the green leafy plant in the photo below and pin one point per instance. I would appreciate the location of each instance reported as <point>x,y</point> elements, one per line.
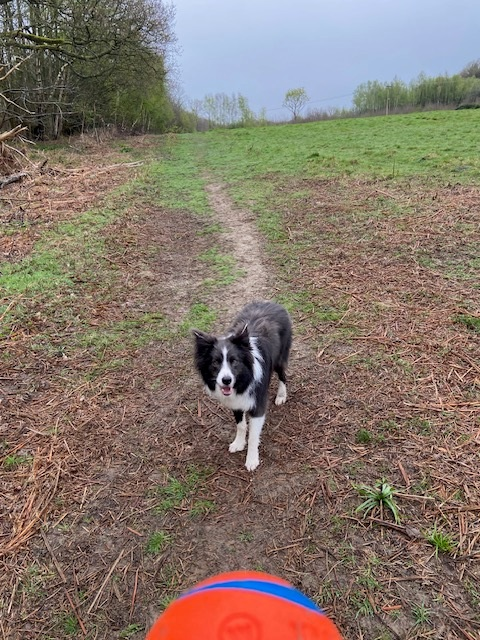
<point>381,495</point>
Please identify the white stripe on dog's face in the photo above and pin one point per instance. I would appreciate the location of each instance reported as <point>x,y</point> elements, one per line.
<point>225,378</point>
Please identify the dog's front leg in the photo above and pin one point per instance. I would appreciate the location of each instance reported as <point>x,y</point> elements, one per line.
<point>239,443</point>
<point>255,428</point>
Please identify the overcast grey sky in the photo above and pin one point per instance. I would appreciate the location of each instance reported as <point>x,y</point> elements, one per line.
<point>262,48</point>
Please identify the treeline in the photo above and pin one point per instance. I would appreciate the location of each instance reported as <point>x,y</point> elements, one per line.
<point>373,97</point>
<point>442,91</point>
<point>67,65</point>
<point>221,110</point>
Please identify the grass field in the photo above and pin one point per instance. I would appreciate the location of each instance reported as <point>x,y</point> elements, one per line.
<point>440,145</point>
<point>119,492</point>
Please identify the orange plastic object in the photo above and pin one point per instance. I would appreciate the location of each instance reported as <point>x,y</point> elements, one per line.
<point>243,605</point>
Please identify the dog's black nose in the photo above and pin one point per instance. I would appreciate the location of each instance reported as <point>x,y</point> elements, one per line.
<point>226,380</point>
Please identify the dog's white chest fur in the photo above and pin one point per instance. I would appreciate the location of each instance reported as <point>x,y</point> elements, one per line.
<point>244,402</point>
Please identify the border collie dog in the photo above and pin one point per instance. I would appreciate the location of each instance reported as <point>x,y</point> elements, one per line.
<point>237,368</point>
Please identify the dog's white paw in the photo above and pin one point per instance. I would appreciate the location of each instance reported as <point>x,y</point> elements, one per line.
<point>281,397</point>
<point>237,445</point>
<point>252,463</point>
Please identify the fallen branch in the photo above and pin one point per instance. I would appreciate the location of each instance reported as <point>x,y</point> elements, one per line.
<point>8,135</point>
<point>13,178</point>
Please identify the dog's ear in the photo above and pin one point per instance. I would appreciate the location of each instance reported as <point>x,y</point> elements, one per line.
<point>241,337</point>
<point>203,340</point>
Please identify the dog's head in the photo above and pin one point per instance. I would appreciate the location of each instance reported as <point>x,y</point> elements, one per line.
<point>225,364</point>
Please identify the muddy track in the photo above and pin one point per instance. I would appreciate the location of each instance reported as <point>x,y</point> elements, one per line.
<point>241,234</point>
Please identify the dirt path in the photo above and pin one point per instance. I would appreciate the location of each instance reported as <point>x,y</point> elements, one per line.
<point>241,234</point>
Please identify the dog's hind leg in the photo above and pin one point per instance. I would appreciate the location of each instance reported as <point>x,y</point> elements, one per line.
<point>239,443</point>
<point>256,424</point>
<point>281,396</point>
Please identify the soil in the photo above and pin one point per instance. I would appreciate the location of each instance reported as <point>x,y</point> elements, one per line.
<point>138,450</point>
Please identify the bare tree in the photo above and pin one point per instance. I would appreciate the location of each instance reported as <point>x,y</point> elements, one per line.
<point>295,100</point>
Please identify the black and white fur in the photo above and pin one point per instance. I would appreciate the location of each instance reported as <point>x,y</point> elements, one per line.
<point>237,368</point>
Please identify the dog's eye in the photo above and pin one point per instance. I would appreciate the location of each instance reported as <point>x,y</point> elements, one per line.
<point>232,360</point>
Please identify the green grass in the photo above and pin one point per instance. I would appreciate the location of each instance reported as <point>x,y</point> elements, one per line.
<point>70,625</point>
<point>363,436</point>
<point>420,425</point>
<point>308,304</point>
<point>131,631</point>
<point>157,542</point>
<point>41,272</point>
<point>246,537</point>
<point>368,579</point>
<point>471,322</point>
<point>176,491</point>
<point>34,580</point>
<point>201,507</point>
<point>420,614</point>
<point>63,257</point>
<point>223,265</point>
<point>13,461</point>
<point>134,333</point>
<point>363,607</point>
<point>130,333</point>
<point>200,316</point>
<point>175,182</point>
<point>441,541</point>
<point>443,144</point>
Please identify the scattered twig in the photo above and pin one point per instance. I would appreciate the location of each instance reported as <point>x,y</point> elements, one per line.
<point>134,594</point>
<point>105,581</point>
<point>54,558</point>
<point>75,611</point>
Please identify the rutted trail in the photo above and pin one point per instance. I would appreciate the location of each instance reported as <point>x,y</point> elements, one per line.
<point>240,230</point>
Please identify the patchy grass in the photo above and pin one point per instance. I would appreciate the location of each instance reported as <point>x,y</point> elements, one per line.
<point>13,461</point>
<point>223,265</point>
<point>441,541</point>
<point>157,542</point>
<point>471,322</point>
<point>131,631</point>
<point>200,316</point>
<point>176,492</point>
